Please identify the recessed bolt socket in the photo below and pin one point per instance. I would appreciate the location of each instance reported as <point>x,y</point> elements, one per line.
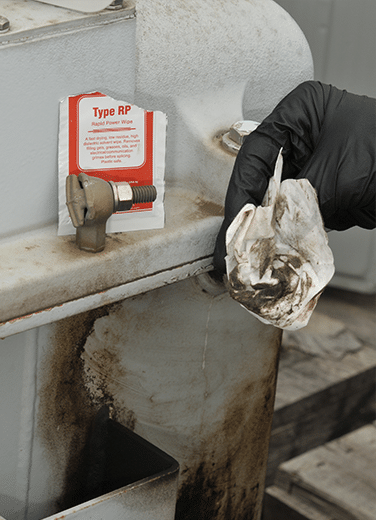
<point>116,4</point>
<point>91,201</point>
<point>4,24</point>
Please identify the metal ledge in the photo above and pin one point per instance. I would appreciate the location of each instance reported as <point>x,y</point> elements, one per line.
<point>44,278</point>
<point>35,20</point>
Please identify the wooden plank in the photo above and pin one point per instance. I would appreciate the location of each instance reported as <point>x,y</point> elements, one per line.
<point>319,400</point>
<point>324,336</point>
<point>357,311</point>
<point>280,505</point>
<point>308,375</point>
<point>338,477</point>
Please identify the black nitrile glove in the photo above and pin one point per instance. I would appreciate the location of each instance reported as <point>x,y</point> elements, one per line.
<point>328,136</point>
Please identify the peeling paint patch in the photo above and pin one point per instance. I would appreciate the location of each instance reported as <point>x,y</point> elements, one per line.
<point>102,366</point>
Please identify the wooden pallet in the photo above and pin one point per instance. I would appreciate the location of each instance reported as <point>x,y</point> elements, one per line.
<point>320,397</point>
<point>336,481</point>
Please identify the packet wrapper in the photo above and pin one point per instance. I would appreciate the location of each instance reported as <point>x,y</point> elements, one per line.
<point>116,141</point>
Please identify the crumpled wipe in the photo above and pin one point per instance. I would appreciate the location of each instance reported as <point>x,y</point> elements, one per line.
<point>278,258</point>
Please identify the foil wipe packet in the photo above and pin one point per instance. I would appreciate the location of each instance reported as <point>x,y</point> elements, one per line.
<point>278,258</point>
<point>116,141</point>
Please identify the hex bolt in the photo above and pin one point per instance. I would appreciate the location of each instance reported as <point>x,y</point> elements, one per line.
<point>233,139</point>
<point>238,132</point>
<point>91,201</point>
<point>4,24</point>
<point>125,195</point>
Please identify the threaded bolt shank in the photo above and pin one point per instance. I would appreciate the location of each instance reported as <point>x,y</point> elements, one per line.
<point>142,194</point>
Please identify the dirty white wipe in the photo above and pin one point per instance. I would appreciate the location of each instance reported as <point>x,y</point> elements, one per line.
<point>278,259</point>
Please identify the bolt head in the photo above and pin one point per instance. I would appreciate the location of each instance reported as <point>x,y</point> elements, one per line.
<point>123,196</point>
<point>4,24</point>
<point>241,129</point>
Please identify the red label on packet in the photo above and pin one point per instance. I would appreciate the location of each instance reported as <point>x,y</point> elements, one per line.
<point>116,141</point>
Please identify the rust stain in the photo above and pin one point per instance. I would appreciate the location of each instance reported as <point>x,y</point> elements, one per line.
<point>209,208</point>
<point>66,412</point>
<point>25,316</point>
<point>228,481</point>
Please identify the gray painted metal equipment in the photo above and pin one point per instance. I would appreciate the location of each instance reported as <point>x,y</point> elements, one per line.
<point>182,364</point>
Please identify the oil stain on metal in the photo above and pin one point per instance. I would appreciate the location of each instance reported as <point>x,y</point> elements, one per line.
<point>227,483</point>
<point>225,480</point>
<point>66,412</point>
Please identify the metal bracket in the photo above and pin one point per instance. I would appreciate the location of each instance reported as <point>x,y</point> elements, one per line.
<point>91,201</point>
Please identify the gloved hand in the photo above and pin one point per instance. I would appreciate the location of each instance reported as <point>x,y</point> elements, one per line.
<point>329,137</point>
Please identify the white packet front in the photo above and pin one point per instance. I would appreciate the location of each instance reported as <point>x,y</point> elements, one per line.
<point>116,141</point>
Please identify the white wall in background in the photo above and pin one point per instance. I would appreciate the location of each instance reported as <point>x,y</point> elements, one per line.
<point>342,37</point>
